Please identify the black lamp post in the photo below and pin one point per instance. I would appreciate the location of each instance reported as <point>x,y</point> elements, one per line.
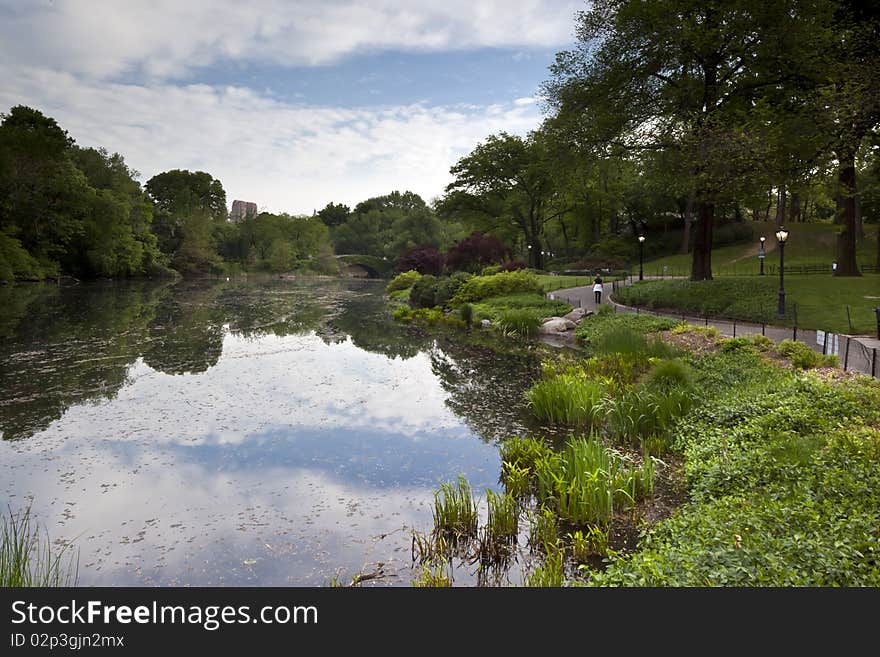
<point>781,236</point>
<point>641,256</point>
<point>761,256</point>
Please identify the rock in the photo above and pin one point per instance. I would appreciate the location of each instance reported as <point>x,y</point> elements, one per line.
<point>557,325</point>
<point>577,315</point>
<point>485,323</point>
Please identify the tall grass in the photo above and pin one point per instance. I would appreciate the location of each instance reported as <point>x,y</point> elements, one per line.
<point>587,482</point>
<point>28,558</point>
<point>436,576</point>
<point>544,529</point>
<point>517,480</point>
<point>519,322</point>
<point>643,413</point>
<point>502,522</point>
<point>569,398</point>
<point>455,510</point>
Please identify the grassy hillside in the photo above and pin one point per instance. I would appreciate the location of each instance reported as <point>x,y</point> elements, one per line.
<point>808,244</point>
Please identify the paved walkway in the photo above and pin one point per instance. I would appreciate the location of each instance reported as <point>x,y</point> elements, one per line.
<point>859,353</point>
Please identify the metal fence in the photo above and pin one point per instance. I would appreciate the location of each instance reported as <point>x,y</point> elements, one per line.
<point>855,353</point>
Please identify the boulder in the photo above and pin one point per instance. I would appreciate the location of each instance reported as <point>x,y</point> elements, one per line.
<point>557,325</point>
<point>577,315</point>
<point>485,323</point>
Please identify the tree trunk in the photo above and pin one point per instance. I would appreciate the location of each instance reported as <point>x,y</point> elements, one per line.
<point>846,214</point>
<point>794,208</point>
<point>688,220</point>
<point>780,206</point>
<point>701,264</point>
<point>769,204</point>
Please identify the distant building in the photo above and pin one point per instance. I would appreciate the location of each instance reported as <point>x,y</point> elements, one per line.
<point>242,210</point>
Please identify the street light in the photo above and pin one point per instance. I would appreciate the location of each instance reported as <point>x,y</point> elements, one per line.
<point>761,255</point>
<point>781,236</point>
<point>641,256</point>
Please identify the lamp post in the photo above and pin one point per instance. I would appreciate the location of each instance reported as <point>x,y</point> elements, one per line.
<point>530,256</point>
<point>761,256</point>
<point>641,256</point>
<point>781,236</point>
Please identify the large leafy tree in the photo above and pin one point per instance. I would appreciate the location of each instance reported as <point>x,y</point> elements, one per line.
<point>682,75</point>
<point>188,207</point>
<point>506,187</point>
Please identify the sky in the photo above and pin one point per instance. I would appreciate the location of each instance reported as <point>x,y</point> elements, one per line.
<point>291,104</point>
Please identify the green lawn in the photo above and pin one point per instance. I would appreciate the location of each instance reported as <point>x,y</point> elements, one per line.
<point>808,244</point>
<point>549,282</point>
<point>814,301</point>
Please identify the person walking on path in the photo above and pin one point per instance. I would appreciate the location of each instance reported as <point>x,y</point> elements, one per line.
<point>597,289</point>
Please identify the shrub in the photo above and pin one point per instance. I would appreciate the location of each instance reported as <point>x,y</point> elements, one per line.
<point>402,281</point>
<point>729,345</point>
<point>446,287</point>
<point>803,357</point>
<point>424,259</point>
<point>424,291</point>
<point>475,252</point>
<point>761,342</point>
<point>673,373</point>
<point>466,312</point>
<point>503,283</point>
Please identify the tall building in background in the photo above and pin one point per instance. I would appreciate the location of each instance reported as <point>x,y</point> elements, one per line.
<point>242,210</point>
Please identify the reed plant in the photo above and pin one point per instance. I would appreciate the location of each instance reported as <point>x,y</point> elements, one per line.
<point>544,528</point>
<point>570,398</point>
<point>588,482</point>
<point>524,452</point>
<point>519,322</point>
<point>455,510</point>
<point>551,572</point>
<point>502,522</point>
<point>589,542</point>
<point>28,557</point>
<point>433,576</point>
<point>517,481</point>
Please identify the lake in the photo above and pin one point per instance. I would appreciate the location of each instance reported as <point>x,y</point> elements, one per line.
<point>243,433</point>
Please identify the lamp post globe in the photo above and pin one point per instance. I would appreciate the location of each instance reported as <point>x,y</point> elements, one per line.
<point>641,257</point>
<point>781,237</point>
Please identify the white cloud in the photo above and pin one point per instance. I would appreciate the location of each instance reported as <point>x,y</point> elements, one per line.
<point>168,38</point>
<point>283,156</point>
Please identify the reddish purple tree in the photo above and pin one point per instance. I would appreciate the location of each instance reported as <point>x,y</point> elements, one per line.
<point>475,252</point>
<point>425,259</point>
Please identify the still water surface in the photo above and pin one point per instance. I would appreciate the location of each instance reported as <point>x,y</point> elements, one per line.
<point>244,433</point>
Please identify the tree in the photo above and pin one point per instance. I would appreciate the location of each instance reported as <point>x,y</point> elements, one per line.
<point>679,75</point>
<point>334,214</point>
<point>188,205</point>
<point>475,252</point>
<point>505,186</point>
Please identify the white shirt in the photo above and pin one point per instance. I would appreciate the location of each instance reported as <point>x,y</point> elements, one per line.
<point>597,287</point>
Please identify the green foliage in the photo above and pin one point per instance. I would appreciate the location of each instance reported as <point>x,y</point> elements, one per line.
<point>424,292</point>
<point>551,572</point>
<point>426,317</point>
<point>729,345</point>
<point>673,373</point>
<point>524,452</point>
<point>570,398</point>
<point>597,327</point>
<point>466,312</point>
<point>593,541</point>
<point>544,529</point>
<point>29,559</point>
<point>587,482</point>
<point>783,478</point>
<point>455,510</point>
<point>803,357</point>
<point>519,322</point>
<point>402,281</point>
<point>503,517</point>
<point>684,327</point>
<point>436,576</point>
<point>504,283</point>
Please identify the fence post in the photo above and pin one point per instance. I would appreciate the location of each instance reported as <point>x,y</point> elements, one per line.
<point>873,361</point>
<point>763,327</point>
<point>846,354</point>
<point>825,344</point>
<point>794,334</point>
<point>734,328</point>
<point>707,320</point>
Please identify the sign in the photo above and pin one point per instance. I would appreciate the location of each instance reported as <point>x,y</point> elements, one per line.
<point>833,344</point>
